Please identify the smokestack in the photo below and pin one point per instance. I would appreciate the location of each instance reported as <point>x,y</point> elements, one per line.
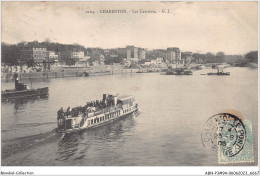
<point>16,81</point>
<point>104,97</point>
<point>115,100</point>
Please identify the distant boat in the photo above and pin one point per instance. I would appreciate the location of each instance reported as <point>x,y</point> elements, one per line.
<point>178,71</point>
<point>22,91</point>
<point>220,72</point>
<point>84,74</point>
<point>95,113</point>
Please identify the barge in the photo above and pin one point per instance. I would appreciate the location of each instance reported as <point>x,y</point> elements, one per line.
<point>22,91</point>
<point>178,71</point>
<point>95,113</point>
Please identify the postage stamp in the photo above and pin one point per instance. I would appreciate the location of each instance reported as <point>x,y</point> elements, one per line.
<point>229,136</point>
<point>235,142</point>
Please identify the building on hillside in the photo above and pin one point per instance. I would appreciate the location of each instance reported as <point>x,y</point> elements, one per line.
<point>147,63</point>
<point>121,51</point>
<point>130,51</point>
<point>173,55</point>
<point>136,52</point>
<point>83,62</point>
<point>159,60</point>
<point>71,55</point>
<point>128,55</point>
<point>77,54</point>
<point>141,54</point>
<point>52,56</point>
<point>96,50</point>
<point>186,57</point>
<point>154,62</point>
<point>35,54</point>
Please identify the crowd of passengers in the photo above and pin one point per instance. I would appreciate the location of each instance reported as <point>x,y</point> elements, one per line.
<point>85,109</point>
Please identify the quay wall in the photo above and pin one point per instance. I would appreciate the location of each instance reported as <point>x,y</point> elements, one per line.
<point>64,74</point>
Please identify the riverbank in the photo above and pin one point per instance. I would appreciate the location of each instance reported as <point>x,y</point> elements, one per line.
<point>73,73</point>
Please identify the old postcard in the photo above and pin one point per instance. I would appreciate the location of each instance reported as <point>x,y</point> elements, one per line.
<point>129,84</point>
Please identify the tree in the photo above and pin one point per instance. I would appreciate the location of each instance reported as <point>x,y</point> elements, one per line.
<point>210,57</point>
<point>70,61</point>
<point>252,56</point>
<point>10,54</point>
<point>220,57</point>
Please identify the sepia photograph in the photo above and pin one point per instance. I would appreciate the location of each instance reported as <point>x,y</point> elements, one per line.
<point>160,83</point>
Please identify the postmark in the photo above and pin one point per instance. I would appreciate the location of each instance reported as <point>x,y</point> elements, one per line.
<point>219,128</point>
<point>228,135</point>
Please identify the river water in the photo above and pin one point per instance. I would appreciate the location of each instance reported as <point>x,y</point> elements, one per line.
<point>167,131</point>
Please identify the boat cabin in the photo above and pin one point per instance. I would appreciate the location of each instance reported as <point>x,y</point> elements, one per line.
<point>126,101</point>
<point>19,86</point>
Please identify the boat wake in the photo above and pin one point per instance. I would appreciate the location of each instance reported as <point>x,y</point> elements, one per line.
<point>25,143</point>
<point>31,124</point>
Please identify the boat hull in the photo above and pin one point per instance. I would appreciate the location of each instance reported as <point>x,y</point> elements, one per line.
<point>219,74</point>
<point>67,131</point>
<point>13,95</point>
<point>179,73</point>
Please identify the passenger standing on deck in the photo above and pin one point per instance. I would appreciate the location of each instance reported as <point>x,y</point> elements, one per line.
<point>68,111</point>
<point>58,114</point>
<point>84,112</point>
<point>61,113</point>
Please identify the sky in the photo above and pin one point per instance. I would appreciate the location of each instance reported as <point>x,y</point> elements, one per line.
<point>231,27</point>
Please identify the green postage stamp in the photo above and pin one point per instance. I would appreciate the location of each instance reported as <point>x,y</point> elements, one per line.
<point>235,139</point>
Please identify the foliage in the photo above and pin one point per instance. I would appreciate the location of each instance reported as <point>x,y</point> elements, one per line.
<point>252,56</point>
<point>210,57</point>
<point>220,57</point>
<point>111,60</point>
<point>10,54</point>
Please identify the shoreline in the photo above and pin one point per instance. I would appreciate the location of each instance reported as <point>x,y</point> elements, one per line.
<point>78,71</point>
<point>8,77</point>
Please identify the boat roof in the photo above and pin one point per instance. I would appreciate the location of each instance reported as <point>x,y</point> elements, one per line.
<point>125,97</point>
<point>121,97</point>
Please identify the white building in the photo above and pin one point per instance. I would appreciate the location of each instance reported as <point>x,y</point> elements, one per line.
<point>154,62</point>
<point>77,54</point>
<point>159,60</point>
<point>72,55</point>
<point>52,55</point>
<point>147,63</point>
<point>142,54</point>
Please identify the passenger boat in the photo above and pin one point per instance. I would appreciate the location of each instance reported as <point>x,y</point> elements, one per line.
<point>95,113</point>
<point>22,91</point>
